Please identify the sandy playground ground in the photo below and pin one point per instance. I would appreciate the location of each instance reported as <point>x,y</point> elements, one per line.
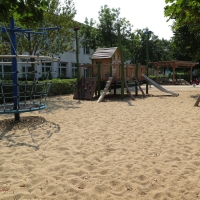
<point>83,150</point>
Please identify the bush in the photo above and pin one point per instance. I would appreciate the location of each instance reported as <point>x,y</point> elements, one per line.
<point>62,86</point>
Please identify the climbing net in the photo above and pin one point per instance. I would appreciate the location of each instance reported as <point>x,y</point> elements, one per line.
<point>27,95</point>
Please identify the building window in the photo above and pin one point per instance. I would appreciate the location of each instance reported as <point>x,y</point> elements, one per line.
<point>86,50</point>
<point>73,50</point>
<point>62,71</point>
<point>25,70</point>
<point>6,72</point>
<point>74,70</point>
<point>1,72</point>
<point>85,72</point>
<point>46,70</point>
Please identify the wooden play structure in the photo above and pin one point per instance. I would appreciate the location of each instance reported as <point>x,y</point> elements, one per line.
<point>174,64</point>
<point>107,66</point>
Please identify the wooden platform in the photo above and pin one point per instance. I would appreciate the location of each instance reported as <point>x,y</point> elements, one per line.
<point>86,88</point>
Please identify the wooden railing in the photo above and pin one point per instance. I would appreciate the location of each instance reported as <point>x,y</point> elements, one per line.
<point>105,69</point>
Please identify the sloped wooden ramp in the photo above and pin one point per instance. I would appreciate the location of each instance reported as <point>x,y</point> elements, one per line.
<point>141,90</point>
<point>197,101</point>
<point>129,92</point>
<point>86,88</point>
<point>105,89</point>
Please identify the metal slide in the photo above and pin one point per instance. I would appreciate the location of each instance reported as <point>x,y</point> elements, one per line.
<point>159,86</point>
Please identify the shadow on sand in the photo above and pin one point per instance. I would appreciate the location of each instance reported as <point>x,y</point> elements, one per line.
<point>28,131</point>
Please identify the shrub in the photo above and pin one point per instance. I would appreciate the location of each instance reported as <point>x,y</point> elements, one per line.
<point>62,86</point>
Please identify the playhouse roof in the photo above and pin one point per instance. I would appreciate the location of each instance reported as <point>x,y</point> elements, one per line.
<point>102,53</point>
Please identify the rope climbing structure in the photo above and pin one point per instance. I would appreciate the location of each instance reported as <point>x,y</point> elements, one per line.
<point>23,96</point>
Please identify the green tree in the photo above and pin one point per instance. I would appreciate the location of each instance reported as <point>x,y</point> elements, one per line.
<point>159,49</point>
<point>89,34</point>
<point>184,12</point>
<point>107,26</point>
<point>58,15</point>
<point>104,33</point>
<point>186,26</point>
<point>25,11</point>
<point>53,41</point>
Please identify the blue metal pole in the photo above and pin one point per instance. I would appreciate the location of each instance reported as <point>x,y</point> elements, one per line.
<point>14,68</point>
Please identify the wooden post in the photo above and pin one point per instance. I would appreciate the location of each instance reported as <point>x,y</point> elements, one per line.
<point>157,73</point>
<point>77,59</point>
<point>136,75</point>
<point>173,73</point>
<point>147,58</point>
<point>110,73</point>
<point>122,61</point>
<point>190,73</point>
<point>115,87</point>
<point>99,78</point>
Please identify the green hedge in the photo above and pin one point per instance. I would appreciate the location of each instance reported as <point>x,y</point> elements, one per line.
<point>62,86</point>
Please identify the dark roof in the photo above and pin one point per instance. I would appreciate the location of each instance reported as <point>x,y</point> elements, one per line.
<point>102,53</point>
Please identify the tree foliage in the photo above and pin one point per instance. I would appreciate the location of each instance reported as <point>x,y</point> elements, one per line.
<point>186,26</point>
<point>159,49</point>
<point>184,12</point>
<point>104,34</point>
<point>25,11</point>
<point>53,41</point>
<point>107,26</point>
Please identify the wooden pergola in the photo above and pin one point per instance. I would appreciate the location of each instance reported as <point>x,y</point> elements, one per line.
<point>174,64</point>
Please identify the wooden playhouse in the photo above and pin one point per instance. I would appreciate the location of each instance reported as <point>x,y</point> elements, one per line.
<point>106,66</point>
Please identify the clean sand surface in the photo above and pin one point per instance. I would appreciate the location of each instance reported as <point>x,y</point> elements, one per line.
<point>83,150</point>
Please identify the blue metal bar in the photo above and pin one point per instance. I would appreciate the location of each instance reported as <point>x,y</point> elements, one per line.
<point>18,28</point>
<point>3,29</point>
<point>13,47</point>
<point>11,111</point>
<point>33,32</point>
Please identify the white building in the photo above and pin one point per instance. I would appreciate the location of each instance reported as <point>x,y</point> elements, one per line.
<point>66,68</point>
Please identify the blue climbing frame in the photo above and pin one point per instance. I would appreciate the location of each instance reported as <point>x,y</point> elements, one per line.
<point>13,45</point>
